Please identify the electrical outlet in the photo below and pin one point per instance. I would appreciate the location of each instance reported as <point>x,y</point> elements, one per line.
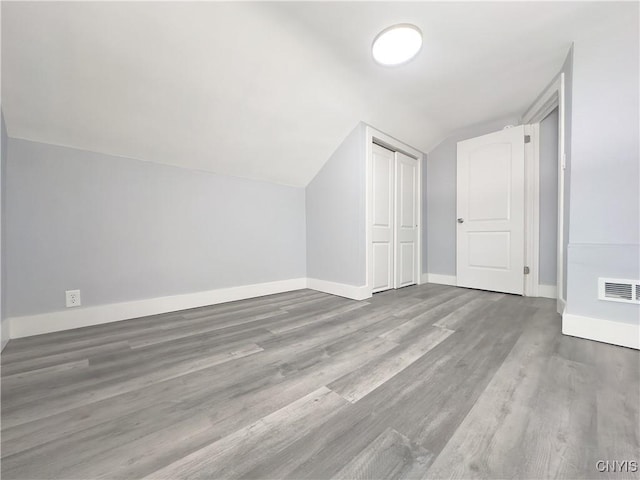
<point>73,298</point>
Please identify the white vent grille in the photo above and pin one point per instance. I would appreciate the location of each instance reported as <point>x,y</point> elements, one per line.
<point>617,290</point>
<point>622,291</point>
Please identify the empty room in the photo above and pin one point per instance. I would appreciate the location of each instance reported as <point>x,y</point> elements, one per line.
<point>320,240</point>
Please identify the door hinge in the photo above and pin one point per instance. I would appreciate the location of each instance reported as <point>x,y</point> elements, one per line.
<point>527,139</point>
<point>526,270</point>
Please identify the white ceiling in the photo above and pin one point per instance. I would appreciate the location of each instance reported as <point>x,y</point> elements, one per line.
<point>268,90</point>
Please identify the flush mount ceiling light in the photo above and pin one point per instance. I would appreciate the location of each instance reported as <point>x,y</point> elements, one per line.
<point>397,44</point>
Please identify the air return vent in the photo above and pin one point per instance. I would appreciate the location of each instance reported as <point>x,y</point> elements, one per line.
<point>617,290</point>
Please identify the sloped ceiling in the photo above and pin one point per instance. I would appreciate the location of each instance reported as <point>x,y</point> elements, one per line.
<point>267,90</point>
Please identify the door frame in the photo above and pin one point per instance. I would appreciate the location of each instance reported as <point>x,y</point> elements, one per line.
<point>552,97</point>
<point>373,135</point>
<point>532,209</point>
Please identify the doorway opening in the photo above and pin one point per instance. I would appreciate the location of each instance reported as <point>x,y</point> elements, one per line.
<point>511,204</point>
<point>551,99</point>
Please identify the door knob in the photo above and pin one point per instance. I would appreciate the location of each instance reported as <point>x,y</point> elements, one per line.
<point>461,220</point>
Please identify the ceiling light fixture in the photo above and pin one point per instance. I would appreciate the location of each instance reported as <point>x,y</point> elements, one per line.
<point>397,44</point>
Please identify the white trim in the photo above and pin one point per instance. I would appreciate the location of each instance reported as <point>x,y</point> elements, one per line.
<point>545,103</point>
<point>561,306</point>
<point>391,143</point>
<point>544,109</point>
<point>532,209</point>
<point>28,325</point>
<point>86,316</point>
<point>340,289</point>
<point>420,160</point>
<point>607,331</point>
<point>562,165</point>
<point>547,291</point>
<point>368,207</point>
<point>442,279</point>
<point>5,334</point>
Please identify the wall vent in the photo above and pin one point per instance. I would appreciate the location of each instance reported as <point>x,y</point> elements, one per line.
<point>617,290</point>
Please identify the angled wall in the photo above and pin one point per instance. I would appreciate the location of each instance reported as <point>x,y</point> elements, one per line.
<point>122,230</point>
<point>335,214</point>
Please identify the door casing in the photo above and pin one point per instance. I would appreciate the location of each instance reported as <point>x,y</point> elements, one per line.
<point>552,97</point>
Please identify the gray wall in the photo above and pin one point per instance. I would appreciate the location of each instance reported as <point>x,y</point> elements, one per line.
<point>586,264</point>
<point>335,208</point>
<point>548,198</point>
<point>604,232</point>
<point>439,176</point>
<point>121,229</point>
<point>4,325</point>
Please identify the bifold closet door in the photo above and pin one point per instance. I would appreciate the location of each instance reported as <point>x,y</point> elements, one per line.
<point>383,192</point>
<point>406,224</point>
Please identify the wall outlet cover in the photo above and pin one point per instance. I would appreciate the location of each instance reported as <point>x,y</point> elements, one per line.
<point>73,298</point>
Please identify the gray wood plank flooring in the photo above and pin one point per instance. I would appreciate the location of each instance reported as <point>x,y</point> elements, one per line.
<point>428,381</point>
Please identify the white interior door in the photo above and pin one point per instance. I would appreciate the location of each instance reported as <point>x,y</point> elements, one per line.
<point>490,211</point>
<point>382,234</point>
<point>406,225</point>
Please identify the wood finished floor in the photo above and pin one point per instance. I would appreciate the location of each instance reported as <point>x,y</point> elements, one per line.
<point>425,382</point>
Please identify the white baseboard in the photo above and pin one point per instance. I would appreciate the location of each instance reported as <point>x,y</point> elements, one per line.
<point>607,331</point>
<point>561,306</point>
<point>547,291</point>
<point>441,279</point>
<point>340,289</point>
<point>26,326</point>
<point>4,333</point>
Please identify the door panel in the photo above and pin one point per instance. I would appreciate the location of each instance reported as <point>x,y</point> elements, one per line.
<point>490,250</point>
<point>382,191</point>
<point>407,224</point>
<point>489,182</point>
<point>383,177</point>
<point>407,264</point>
<point>382,267</point>
<point>490,204</point>
<point>407,191</point>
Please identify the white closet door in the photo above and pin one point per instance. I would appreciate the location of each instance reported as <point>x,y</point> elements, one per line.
<point>383,218</point>
<point>490,204</point>
<point>406,225</point>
